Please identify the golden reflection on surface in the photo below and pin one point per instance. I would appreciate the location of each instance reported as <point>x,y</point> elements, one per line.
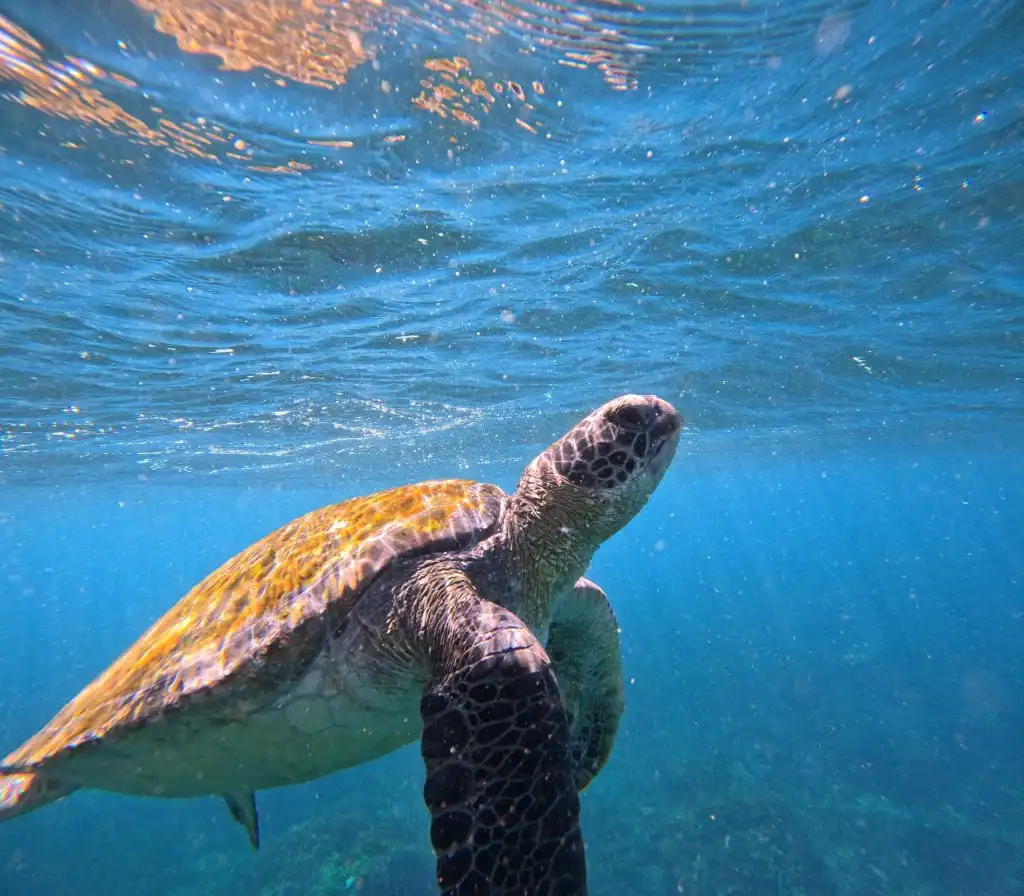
<point>318,43</point>
<point>67,88</point>
<point>572,30</point>
<point>451,91</point>
<point>312,42</point>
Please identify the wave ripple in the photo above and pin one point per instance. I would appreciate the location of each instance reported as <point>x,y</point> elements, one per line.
<point>421,239</point>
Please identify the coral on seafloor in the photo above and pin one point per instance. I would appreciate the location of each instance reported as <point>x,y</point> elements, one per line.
<point>349,852</point>
<point>739,843</point>
<point>729,827</point>
<point>744,832</point>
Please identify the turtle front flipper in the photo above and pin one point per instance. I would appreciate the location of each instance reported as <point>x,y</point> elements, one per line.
<point>583,643</point>
<point>500,789</point>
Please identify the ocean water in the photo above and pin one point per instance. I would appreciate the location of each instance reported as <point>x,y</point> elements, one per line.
<point>256,257</point>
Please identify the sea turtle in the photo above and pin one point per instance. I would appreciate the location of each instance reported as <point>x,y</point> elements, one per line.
<point>446,610</point>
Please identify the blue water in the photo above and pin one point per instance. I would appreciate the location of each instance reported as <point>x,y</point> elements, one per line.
<point>259,257</point>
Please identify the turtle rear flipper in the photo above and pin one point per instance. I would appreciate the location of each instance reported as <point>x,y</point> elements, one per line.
<point>242,807</point>
<point>21,792</point>
<point>500,786</point>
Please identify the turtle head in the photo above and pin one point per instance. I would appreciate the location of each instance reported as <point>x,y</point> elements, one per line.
<point>605,468</point>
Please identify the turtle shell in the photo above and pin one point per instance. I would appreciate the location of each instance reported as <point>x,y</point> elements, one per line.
<point>257,622</point>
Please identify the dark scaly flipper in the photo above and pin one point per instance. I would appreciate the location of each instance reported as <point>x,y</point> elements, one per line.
<point>583,643</point>
<point>500,786</point>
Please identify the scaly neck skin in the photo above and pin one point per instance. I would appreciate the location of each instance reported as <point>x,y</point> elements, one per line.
<point>546,541</point>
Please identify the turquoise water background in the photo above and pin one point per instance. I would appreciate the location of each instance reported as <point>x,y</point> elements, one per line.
<point>258,257</point>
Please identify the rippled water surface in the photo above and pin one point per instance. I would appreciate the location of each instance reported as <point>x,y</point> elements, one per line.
<point>294,237</point>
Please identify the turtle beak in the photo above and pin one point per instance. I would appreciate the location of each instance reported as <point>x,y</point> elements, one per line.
<point>665,422</point>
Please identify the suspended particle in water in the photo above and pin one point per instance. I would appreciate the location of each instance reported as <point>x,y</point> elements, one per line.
<point>831,34</point>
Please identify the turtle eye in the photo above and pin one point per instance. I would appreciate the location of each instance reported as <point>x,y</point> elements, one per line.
<point>629,417</point>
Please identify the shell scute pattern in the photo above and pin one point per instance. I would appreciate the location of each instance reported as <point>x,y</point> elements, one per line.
<point>260,617</point>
